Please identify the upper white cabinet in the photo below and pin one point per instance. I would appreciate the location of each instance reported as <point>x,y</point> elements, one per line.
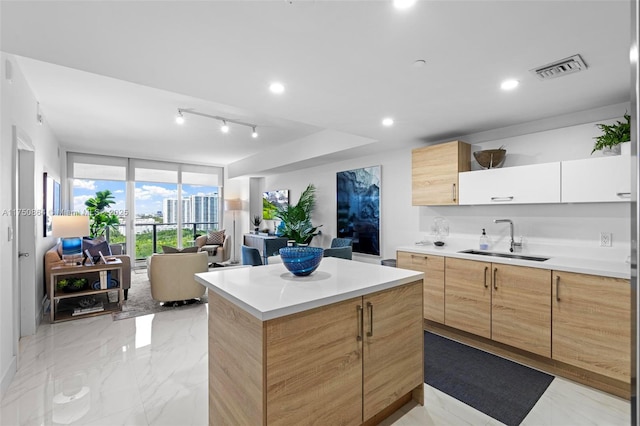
<point>531,184</point>
<point>600,179</point>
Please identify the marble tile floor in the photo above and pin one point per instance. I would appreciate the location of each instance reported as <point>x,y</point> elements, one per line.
<point>152,370</point>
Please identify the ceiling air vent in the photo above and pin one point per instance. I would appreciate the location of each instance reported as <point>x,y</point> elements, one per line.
<point>559,68</point>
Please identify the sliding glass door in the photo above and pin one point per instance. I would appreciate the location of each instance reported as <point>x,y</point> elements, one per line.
<point>161,203</point>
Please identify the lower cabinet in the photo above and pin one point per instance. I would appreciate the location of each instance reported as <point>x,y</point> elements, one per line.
<point>591,323</point>
<point>467,299</point>
<point>433,269</point>
<point>521,308</point>
<point>338,364</point>
<point>508,304</point>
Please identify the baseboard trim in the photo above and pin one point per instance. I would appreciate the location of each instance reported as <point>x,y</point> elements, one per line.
<point>8,375</point>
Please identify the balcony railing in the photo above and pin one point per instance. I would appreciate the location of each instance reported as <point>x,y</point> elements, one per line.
<point>150,237</point>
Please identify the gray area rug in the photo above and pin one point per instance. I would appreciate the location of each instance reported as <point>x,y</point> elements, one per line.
<point>139,301</point>
<point>500,388</point>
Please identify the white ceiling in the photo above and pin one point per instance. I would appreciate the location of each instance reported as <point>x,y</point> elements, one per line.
<point>110,75</point>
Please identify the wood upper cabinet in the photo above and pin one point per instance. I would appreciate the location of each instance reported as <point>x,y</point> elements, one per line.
<point>591,323</point>
<point>434,172</point>
<point>521,308</point>
<point>600,179</point>
<point>433,268</point>
<point>393,344</point>
<point>531,184</point>
<point>467,300</point>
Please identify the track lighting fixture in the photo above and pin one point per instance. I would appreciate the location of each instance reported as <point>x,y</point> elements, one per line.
<point>180,117</point>
<point>224,128</point>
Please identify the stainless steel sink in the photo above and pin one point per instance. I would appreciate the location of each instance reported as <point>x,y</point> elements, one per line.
<point>508,255</point>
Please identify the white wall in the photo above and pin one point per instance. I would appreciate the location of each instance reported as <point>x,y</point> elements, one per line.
<point>19,108</point>
<point>553,228</point>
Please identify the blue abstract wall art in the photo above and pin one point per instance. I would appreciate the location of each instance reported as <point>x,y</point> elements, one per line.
<point>358,208</point>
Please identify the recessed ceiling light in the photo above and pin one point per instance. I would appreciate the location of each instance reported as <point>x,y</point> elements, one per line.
<point>509,84</point>
<point>387,122</point>
<point>276,88</point>
<point>225,127</point>
<point>419,63</point>
<point>403,4</point>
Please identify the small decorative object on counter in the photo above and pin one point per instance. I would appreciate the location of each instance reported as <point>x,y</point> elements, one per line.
<point>301,261</point>
<point>484,241</point>
<point>257,220</point>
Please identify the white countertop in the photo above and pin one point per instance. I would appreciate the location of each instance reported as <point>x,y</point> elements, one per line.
<point>607,268</point>
<point>271,291</point>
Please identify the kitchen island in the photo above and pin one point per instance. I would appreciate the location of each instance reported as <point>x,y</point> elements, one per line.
<point>341,346</point>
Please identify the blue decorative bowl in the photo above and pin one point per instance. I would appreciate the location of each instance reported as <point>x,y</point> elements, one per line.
<point>301,261</point>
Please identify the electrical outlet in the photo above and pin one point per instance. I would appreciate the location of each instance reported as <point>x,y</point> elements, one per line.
<point>605,239</point>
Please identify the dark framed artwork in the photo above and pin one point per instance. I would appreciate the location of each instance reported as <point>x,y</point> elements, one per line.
<point>271,200</point>
<point>51,202</point>
<point>358,208</point>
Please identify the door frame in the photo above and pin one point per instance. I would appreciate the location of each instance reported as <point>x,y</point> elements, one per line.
<point>25,317</point>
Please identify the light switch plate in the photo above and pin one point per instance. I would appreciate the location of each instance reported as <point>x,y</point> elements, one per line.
<point>605,239</point>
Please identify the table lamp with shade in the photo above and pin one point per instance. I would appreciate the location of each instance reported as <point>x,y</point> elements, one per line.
<point>233,205</point>
<point>70,229</point>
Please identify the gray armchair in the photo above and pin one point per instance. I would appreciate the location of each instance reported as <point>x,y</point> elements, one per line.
<point>216,253</point>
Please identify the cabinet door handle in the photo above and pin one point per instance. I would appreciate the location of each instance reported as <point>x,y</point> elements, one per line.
<point>623,194</point>
<point>453,192</point>
<point>359,311</point>
<point>486,285</point>
<point>495,282</point>
<point>558,288</point>
<point>370,309</point>
<point>509,198</point>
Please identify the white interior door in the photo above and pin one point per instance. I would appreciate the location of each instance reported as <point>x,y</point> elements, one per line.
<point>24,278</point>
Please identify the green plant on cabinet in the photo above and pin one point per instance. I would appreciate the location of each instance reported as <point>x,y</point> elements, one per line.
<point>613,134</point>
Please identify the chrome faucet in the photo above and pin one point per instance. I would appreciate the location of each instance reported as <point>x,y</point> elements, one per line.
<point>513,242</point>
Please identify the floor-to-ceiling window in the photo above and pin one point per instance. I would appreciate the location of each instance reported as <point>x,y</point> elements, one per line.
<point>158,203</point>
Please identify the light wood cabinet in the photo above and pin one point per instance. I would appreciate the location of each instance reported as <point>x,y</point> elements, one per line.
<point>591,323</point>
<point>505,303</point>
<point>343,363</point>
<point>303,352</point>
<point>433,269</point>
<point>467,300</point>
<point>393,346</point>
<point>600,179</point>
<point>434,172</point>
<point>532,184</point>
<point>521,307</point>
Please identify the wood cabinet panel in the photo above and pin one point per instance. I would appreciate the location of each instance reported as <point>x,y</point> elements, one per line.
<point>468,296</point>
<point>591,323</point>
<point>433,294</point>
<point>521,308</point>
<point>236,375</point>
<point>434,172</point>
<point>393,358</point>
<point>314,361</point>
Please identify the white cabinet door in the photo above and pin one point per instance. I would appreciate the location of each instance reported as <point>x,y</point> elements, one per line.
<point>532,184</point>
<point>600,179</point>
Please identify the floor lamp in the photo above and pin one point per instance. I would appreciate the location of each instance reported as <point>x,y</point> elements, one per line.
<point>233,206</point>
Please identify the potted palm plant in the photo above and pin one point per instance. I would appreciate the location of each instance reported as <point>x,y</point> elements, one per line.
<point>612,136</point>
<point>296,219</point>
